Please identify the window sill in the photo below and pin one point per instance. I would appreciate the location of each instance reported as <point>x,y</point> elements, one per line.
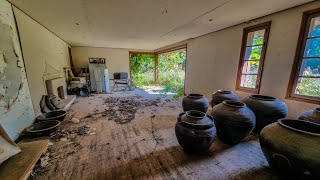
<point>305,100</point>
<point>248,90</point>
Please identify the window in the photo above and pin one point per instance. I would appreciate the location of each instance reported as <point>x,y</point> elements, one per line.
<point>253,50</point>
<point>304,83</point>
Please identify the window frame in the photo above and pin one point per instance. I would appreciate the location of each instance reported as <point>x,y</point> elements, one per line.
<point>298,59</point>
<point>246,31</point>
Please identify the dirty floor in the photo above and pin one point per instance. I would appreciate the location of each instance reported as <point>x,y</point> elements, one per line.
<point>130,135</point>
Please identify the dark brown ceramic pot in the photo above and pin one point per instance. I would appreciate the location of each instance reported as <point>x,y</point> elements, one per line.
<point>233,120</point>
<point>222,95</point>
<point>195,102</point>
<point>312,115</point>
<point>267,110</point>
<point>195,131</point>
<point>53,115</point>
<point>293,147</point>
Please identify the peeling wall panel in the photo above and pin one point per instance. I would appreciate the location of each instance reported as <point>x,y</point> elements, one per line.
<point>16,110</point>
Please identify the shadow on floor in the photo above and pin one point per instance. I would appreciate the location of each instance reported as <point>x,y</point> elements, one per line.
<point>173,163</point>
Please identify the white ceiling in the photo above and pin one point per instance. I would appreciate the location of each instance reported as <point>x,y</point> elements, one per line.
<point>143,24</point>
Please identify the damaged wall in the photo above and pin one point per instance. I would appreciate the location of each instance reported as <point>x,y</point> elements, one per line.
<point>212,60</point>
<point>44,53</point>
<point>16,111</point>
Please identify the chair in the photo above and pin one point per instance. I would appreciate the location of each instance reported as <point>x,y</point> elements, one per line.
<point>121,78</point>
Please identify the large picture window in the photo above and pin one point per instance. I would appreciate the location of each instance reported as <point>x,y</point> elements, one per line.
<point>253,50</point>
<point>305,77</point>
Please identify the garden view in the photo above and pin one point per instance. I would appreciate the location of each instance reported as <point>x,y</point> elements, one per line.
<point>171,71</point>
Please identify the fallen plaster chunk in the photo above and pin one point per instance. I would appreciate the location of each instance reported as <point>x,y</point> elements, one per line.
<point>63,139</point>
<point>75,120</point>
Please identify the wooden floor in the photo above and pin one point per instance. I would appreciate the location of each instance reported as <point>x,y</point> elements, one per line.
<point>145,148</point>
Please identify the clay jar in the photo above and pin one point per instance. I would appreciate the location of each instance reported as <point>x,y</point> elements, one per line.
<point>234,121</point>
<point>195,102</point>
<point>222,95</point>
<point>312,115</point>
<point>195,131</point>
<point>293,147</point>
<point>267,110</point>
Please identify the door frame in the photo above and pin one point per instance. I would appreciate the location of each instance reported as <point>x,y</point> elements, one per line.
<point>156,53</point>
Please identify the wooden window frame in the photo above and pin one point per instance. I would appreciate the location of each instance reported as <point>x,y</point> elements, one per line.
<point>304,30</point>
<point>246,31</point>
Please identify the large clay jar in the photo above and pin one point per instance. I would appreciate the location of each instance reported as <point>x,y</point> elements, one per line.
<point>312,115</point>
<point>267,110</point>
<point>293,147</point>
<point>195,102</point>
<point>233,120</point>
<point>222,95</point>
<point>195,131</point>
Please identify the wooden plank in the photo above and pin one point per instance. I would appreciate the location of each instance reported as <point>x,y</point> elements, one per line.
<point>21,165</point>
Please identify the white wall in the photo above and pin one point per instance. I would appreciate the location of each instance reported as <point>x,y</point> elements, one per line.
<point>16,111</point>
<point>212,60</point>
<point>44,53</point>
<point>117,60</point>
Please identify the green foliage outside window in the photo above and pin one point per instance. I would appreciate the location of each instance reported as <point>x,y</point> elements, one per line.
<point>171,70</point>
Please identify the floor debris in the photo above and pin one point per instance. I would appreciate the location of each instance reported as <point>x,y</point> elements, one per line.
<point>122,109</point>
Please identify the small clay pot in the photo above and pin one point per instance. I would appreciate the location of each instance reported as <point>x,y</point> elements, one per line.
<point>195,131</point>
<point>312,115</point>
<point>267,110</point>
<point>195,102</point>
<point>53,115</point>
<point>222,95</point>
<point>42,128</point>
<point>293,147</point>
<point>234,121</point>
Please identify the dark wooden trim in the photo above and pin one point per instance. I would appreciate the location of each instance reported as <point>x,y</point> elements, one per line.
<point>301,44</point>
<point>130,73</point>
<point>185,71</point>
<point>184,46</point>
<point>156,68</point>
<point>303,99</point>
<point>246,31</point>
<point>70,57</point>
<point>141,52</point>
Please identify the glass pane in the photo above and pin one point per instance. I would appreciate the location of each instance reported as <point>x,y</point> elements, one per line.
<point>255,38</point>
<point>310,67</point>
<point>308,87</point>
<point>314,27</point>
<point>250,67</point>
<point>312,48</point>
<point>248,81</point>
<point>253,53</point>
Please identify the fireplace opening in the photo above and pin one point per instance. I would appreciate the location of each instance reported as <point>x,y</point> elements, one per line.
<point>60,91</point>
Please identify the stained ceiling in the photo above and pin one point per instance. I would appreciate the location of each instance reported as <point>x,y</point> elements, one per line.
<point>143,24</point>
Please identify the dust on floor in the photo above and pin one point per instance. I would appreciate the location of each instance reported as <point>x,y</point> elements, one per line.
<point>130,135</point>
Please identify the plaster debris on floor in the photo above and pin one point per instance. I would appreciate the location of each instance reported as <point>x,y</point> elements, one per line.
<point>129,135</point>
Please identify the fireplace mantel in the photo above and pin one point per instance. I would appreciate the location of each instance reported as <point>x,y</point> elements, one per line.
<point>49,77</point>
